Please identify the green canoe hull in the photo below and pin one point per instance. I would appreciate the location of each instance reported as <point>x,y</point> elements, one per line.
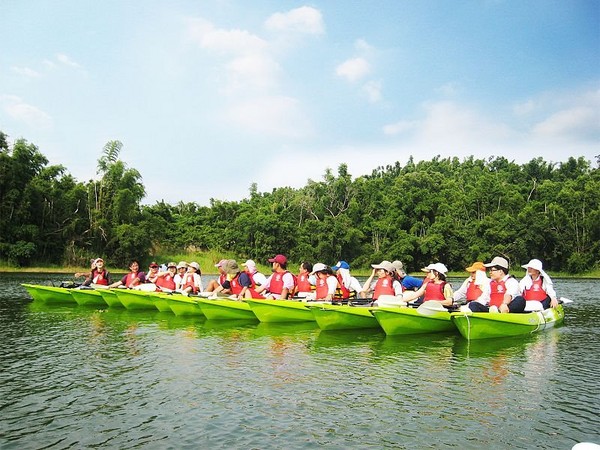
<point>135,300</point>
<point>271,311</point>
<point>88,297</point>
<point>49,294</point>
<point>110,297</point>
<point>494,325</point>
<point>397,321</point>
<point>181,305</point>
<point>161,303</point>
<point>332,317</point>
<point>226,310</point>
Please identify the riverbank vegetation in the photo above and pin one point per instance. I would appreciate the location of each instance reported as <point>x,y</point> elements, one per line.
<point>444,210</point>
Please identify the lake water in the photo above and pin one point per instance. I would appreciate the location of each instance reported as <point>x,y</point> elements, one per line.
<point>75,377</point>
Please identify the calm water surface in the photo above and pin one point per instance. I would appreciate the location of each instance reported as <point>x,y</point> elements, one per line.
<point>75,377</point>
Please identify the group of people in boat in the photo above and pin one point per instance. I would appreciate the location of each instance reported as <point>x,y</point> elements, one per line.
<point>388,284</point>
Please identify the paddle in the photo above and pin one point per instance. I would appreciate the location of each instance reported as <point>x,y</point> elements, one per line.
<point>565,300</point>
<point>431,307</point>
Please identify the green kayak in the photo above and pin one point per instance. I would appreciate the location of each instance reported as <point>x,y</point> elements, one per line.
<point>333,317</point>
<point>492,325</point>
<point>225,309</point>
<point>181,305</point>
<point>49,294</point>
<point>134,299</point>
<point>404,320</point>
<point>88,297</point>
<point>110,297</point>
<point>281,311</point>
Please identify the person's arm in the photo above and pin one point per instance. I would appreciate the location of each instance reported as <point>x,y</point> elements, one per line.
<point>512,290</point>
<point>367,286</point>
<point>461,293</point>
<point>449,300</point>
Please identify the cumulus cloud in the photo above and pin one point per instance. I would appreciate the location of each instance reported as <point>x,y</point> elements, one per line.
<point>274,115</point>
<point>372,89</point>
<point>353,69</point>
<point>234,41</point>
<point>21,111</point>
<point>65,60</point>
<point>301,20</point>
<point>25,71</point>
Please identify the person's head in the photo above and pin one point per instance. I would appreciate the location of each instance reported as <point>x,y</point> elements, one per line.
<point>181,267</point>
<point>305,267</point>
<point>134,265</point>
<point>383,269</point>
<point>172,268</point>
<point>497,268</point>
<point>399,268</point>
<point>194,267</point>
<point>250,266</point>
<point>153,267</point>
<point>230,267</point>
<point>321,270</point>
<point>473,268</point>
<point>436,271</point>
<point>278,262</point>
<point>534,268</point>
<point>99,263</point>
<point>220,265</point>
<point>340,265</point>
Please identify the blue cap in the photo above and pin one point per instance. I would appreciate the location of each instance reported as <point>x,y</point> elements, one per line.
<point>341,265</point>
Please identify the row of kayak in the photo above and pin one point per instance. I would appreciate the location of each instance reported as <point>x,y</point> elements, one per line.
<point>430,317</point>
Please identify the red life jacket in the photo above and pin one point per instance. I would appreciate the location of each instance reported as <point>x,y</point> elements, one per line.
<point>222,278</point>
<point>497,291</point>
<point>276,284</point>
<point>536,291</point>
<point>188,281</point>
<point>322,288</point>
<point>235,286</point>
<point>384,286</point>
<point>434,291</point>
<point>252,282</point>
<point>130,277</point>
<point>341,291</point>
<point>100,277</point>
<point>303,283</point>
<point>473,291</point>
<point>166,282</point>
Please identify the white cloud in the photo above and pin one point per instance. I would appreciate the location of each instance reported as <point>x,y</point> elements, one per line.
<point>252,70</point>
<point>572,122</point>
<point>400,127</point>
<point>25,71</point>
<point>64,59</point>
<point>276,116</point>
<point>362,46</point>
<point>373,91</point>
<point>16,108</point>
<point>235,41</point>
<point>304,20</point>
<point>353,69</point>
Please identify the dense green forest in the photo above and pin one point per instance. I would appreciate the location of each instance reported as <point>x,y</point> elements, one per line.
<point>440,210</point>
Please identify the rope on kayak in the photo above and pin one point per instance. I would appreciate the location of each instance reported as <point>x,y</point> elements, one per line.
<point>540,319</point>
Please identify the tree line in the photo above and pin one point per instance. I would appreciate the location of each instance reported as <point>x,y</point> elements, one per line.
<point>444,210</point>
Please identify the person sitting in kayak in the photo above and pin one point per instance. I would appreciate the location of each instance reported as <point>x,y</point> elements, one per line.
<point>306,280</point>
<point>258,278</point>
<point>165,281</point>
<point>435,286</point>
<point>133,278</point>
<point>385,284</point>
<point>152,274</point>
<point>98,274</point>
<point>192,281</point>
<point>181,270</point>
<point>326,282</point>
<point>536,285</point>
<point>349,286</point>
<point>279,285</point>
<point>476,288</point>
<point>214,284</point>
<point>408,283</point>
<point>504,290</point>
<point>237,281</point>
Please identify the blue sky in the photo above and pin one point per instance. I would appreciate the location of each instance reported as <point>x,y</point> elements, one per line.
<point>210,96</point>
